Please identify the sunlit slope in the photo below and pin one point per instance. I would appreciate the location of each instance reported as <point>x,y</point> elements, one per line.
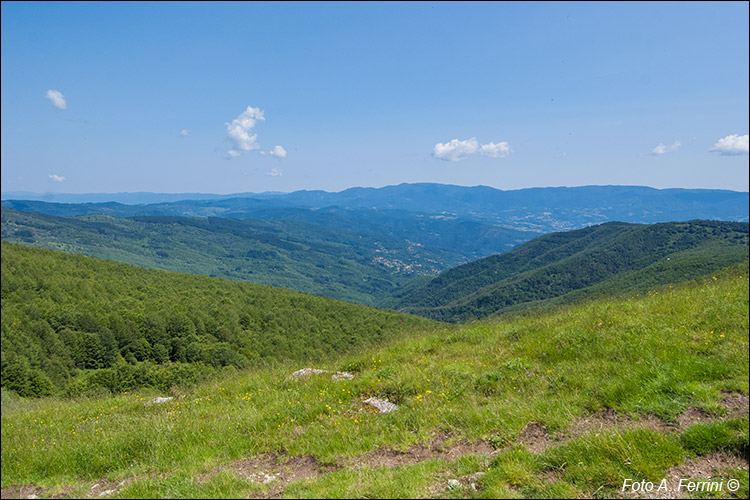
<point>63,313</point>
<point>562,404</point>
<point>608,259</point>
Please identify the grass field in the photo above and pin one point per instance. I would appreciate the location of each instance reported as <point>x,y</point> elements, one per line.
<point>567,404</point>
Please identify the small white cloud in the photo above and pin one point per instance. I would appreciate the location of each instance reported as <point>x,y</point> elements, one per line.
<point>56,178</point>
<point>56,98</point>
<point>455,150</point>
<point>732,145</point>
<point>278,152</point>
<point>499,150</point>
<point>240,131</point>
<point>184,132</point>
<point>663,148</point>
<point>275,172</point>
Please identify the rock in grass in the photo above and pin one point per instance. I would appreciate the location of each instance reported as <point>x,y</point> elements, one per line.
<point>306,372</point>
<point>382,405</point>
<point>161,400</point>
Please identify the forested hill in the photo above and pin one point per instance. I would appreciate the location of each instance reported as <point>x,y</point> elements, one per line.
<point>70,322</point>
<point>339,263</point>
<point>606,259</point>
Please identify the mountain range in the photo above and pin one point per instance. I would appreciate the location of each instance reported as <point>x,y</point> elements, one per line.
<point>362,244</point>
<point>534,209</point>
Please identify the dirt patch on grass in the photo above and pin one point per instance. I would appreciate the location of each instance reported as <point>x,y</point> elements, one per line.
<point>736,404</point>
<point>436,448</point>
<point>25,491</point>
<point>534,437</point>
<point>445,481</point>
<point>105,488</point>
<point>609,419</point>
<point>275,470</point>
<point>692,415</point>
<point>99,489</point>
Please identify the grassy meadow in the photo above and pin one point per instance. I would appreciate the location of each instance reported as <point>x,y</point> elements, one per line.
<point>567,403</point>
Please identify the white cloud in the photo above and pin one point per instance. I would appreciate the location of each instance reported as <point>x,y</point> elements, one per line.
<point>56,98</point>
<point>732,145</point>
<point>662,148</point>
<point>240,131</point>
<point>278,152</point>
<point>241,134</point>
<point>499,150</point>
<point>184,132</point>
<point>56,178</point>
<point>456,150</point>
<point>275,172</point>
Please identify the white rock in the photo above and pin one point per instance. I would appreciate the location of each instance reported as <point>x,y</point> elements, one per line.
<point>161,400</point>
<point>454,483</point>
<point>107,492</point>
<point>342,376</point>
<point>382,405</point>
<point>306,372</point>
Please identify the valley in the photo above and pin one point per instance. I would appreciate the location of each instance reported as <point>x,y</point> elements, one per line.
<point>557,368</point>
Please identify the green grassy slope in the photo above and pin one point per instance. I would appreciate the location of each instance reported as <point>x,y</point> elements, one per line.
<point>610,258</point>
<point>563,404</point>
<point>337,263</point>
<point>125,326</point>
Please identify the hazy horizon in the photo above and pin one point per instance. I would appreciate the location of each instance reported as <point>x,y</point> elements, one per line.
<point>53,193</point>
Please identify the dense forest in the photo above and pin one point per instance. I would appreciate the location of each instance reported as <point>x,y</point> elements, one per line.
<point>73,324</point>
<point>467,236</point>
<point>610,258</point>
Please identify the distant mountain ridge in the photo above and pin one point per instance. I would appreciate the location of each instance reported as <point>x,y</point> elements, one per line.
<point>583,205</point>
<point>134,198</point>
<point>537,210</point>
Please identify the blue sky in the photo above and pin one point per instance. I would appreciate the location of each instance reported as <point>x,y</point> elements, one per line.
<point>233,97</point>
